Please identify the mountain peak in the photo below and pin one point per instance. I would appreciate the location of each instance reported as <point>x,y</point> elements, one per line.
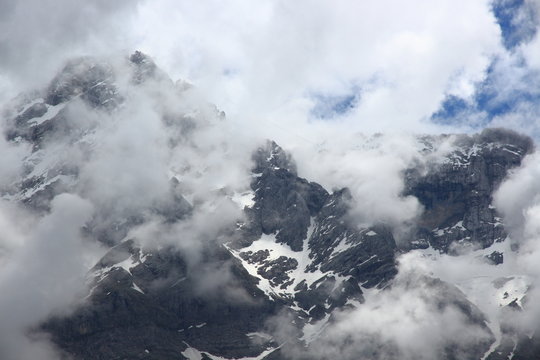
<point>272,157</point>
<point>87,77</point>
<point>144,67</point>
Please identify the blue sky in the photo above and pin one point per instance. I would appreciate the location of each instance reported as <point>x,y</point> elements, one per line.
<point>510,84</point>
<point>517,21</point>
<point>327,107</point>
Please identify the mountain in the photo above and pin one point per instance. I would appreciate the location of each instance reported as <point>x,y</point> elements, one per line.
<point>262,271</point>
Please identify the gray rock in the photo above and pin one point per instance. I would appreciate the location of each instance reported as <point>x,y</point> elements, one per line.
<point>495,258</point>
<point>457,194</point>
<point>88,78</point>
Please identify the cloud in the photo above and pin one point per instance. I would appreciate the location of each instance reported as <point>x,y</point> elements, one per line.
<point>508,94</point>
<point>517,196</point>
<point>262,68</point>
<point>417,318</point>
<point>518,200</point>
<point>11,161</point>
<point>161,143</point>
<point>44,272</point>
<point>508,97</point>
<point>517,19</point>
<point>372,168</point>
<point>37,36</point>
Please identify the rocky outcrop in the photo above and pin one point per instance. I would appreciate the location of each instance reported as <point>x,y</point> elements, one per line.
<point>316,267</point>
<point>457,192</point>
<point>152,304</point>
<point>284,203</point>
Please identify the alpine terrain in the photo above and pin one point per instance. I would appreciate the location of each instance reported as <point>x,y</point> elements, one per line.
<point>209,248</point>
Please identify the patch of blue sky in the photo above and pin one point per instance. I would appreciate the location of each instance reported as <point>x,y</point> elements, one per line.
<point>454,110</point>
<point>507,88</point>
<point>329,106</point>
<point>503,89</point>
<point>517,20</point>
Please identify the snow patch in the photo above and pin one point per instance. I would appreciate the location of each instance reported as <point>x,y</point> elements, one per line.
<point>32,191</point>
<point>135,287</point>
<point>298,275</point>
<point>193,354</point>
<point>244,199</point>
<point>261,335</point>
<point>127,264</point>
<point>52,111</point>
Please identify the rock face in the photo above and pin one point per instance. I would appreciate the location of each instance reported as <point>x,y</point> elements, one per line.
<point>135,291</point>
<point>92,81</point>
<point>284,202</point>
<point>309,232</point>
<point>151,305</point>
<point>457,192</point>
<point>294,253</point>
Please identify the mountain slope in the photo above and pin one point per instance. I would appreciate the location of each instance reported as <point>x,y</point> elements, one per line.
<point>195,269</point>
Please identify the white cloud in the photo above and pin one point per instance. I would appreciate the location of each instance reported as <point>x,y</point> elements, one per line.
<point>42,273</point>
<point>417,318</point>
<point>372,168</point>
<point>36,36</point>
<point>254,61</point>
